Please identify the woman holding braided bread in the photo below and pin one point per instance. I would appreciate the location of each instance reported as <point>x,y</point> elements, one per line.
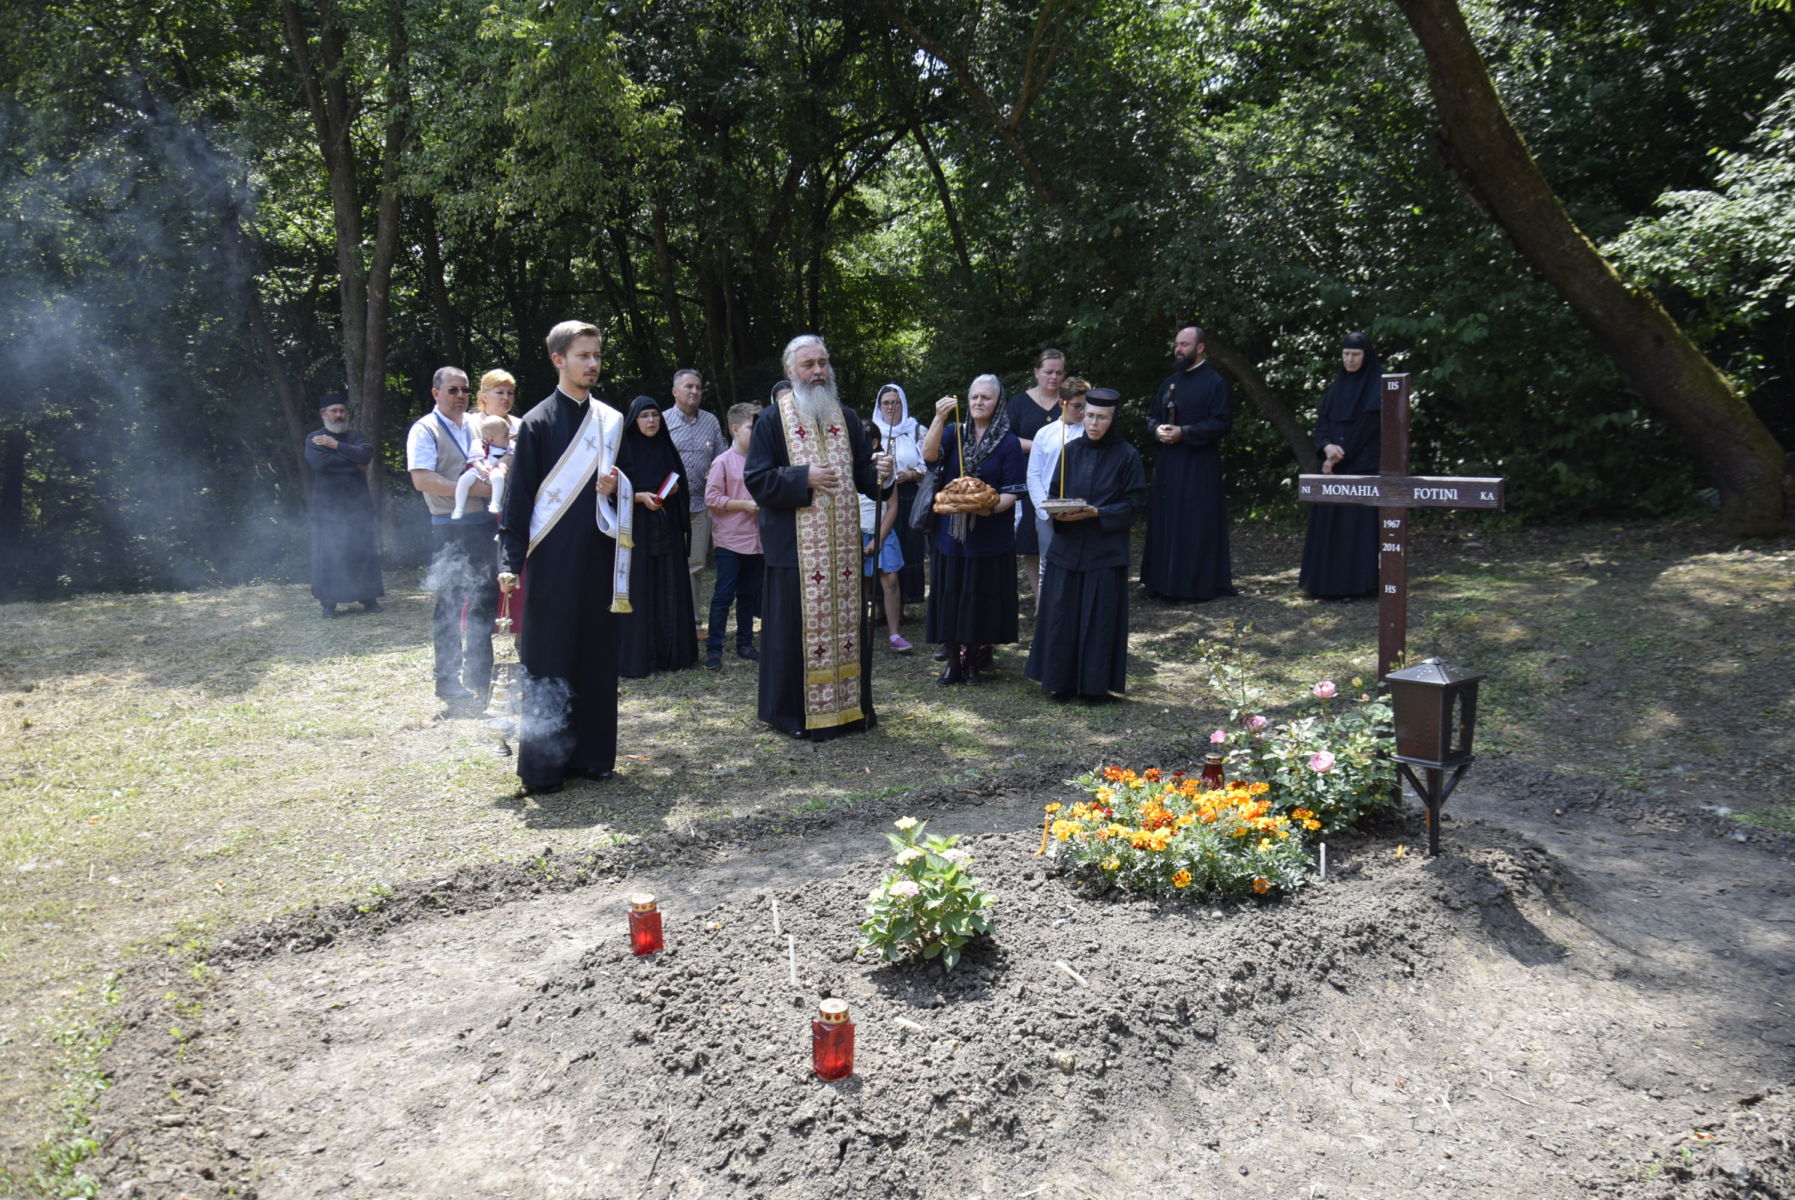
<point>972,592</point>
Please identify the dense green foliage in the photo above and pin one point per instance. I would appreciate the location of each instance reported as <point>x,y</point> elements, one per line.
<point>707,178</point>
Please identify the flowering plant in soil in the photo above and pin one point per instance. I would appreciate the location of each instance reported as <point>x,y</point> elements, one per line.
<point>928,907</point>
<point>1159,833</point>
<point>1333,760</point>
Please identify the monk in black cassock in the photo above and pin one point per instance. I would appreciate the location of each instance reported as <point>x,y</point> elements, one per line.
<point>1340,555</point>
<point>568,643</point>
<point>1081,636</point>
<point>656,634</point>
<point>1186,557</point>
<point>345,557</point>
<point>816,646</point>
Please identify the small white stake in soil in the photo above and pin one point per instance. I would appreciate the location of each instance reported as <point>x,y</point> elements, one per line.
<point>791,950</point>
<point>1065,966</point>
<point>776,929</point>
<point>1324,860</point>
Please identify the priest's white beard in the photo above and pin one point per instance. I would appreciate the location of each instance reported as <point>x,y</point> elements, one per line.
<point>336,427</point>
<point>818,402</point>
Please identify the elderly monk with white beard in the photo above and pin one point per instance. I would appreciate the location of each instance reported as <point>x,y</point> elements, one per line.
<point>807,459</point>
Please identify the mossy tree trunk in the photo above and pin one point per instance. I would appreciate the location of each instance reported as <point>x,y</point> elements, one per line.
<point>1492,162</point>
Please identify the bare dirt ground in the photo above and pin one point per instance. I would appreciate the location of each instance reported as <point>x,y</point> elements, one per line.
<point>1586,996</point>
<point>303,927</point>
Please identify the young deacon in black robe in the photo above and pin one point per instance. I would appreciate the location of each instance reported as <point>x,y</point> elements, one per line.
<point>1340,555</point>
<point>1186,557</point>
<point>345,559</point>
<point>1081,634</point>
<point>568,643</point>
<point>782,489</point>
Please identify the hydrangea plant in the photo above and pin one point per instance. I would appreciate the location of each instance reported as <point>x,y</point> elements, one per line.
<point>928,907</point>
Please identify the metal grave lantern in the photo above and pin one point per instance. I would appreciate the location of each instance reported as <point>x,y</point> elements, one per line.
<point>1435,704</point>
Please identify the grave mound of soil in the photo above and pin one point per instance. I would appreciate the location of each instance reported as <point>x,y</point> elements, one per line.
<point>1561,1005</point>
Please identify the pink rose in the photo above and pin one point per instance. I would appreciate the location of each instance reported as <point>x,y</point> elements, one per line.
<point>1325,690</point>
<point>1321,762</point>
<point>1255,723</point>
<point>1218,737</point>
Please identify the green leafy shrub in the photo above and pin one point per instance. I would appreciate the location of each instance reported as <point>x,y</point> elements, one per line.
<point>928,907</point>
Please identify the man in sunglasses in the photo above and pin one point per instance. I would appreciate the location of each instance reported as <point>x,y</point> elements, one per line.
<point>462,550</point>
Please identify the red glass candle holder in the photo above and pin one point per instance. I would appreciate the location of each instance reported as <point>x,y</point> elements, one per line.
<point>1213,775</point>
<point>832,1041</point>
<point>644,925</point>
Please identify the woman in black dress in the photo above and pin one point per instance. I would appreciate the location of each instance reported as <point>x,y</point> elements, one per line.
<point>1028,412</point>
<point>972,596</point>
<point>656,635</point>
<point>1340,555</point>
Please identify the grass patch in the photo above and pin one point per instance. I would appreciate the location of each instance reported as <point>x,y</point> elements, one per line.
<point>187,762</point>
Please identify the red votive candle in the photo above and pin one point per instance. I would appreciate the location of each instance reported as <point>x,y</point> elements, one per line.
<point>644,925</point>
<point>1213,779</point>
<point>832,1041</point>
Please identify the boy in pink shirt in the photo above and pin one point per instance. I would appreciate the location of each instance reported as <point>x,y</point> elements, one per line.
<point>735,537</point>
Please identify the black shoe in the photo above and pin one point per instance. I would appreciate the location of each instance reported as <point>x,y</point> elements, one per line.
<point>594,773</point>
<point>953,674</point>
<point>747,652</point>
<point>453,693</point>
<point>542,789</point>
<point>371,606</point>
<point>713,660</point>
<point>941,654</point>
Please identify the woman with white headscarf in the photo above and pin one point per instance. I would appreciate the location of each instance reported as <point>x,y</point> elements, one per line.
<point>901,437</point>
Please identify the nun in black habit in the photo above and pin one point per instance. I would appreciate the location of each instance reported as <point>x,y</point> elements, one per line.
<point>1081,636</point>
<point>1340,555</point>
<point>657,634</point>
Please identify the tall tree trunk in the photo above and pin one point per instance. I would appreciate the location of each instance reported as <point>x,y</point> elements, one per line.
<point>364,287</point>
<point>1491,160</point>
<point>1052,25</point>
<point>663,270</point>
<point>450,347</point>
<point>13,448</point>
<point>947,200</point>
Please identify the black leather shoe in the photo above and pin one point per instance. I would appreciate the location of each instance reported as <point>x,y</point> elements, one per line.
<point>593,773</point>
<point>941,654</point>
<point>371,606</point>
<point>953,674</point>
<point>542,789</point>
<point>713,660</point>
<point>747,652</point>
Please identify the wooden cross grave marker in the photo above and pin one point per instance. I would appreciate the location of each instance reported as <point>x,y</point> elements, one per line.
<point>1394,491</point>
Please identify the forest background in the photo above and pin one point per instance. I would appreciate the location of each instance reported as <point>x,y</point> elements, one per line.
<point>216,211</point>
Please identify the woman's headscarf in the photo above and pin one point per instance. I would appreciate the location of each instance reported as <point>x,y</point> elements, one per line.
<point>985,447</point>
<point>1355,392</point>
<point>901,440</point>
<point>647,461</point>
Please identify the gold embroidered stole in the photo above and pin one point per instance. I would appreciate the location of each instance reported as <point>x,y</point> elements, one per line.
<point>829,566</point>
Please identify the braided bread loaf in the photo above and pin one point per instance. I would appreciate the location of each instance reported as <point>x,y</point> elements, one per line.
<point>967,494</point>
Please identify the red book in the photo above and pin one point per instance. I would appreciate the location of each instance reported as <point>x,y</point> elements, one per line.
<point>667,485</point>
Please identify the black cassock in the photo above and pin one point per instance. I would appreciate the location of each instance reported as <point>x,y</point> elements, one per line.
<point>568,646</point>
<point>1186,557</point>
<point>656,634</point>
<point>1340,554</point>
<point>1081,636</point>
<point>345,558</point>
<point>781,489</point>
